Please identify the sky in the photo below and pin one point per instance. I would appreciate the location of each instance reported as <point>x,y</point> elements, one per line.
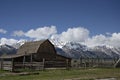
<point>92,22</point>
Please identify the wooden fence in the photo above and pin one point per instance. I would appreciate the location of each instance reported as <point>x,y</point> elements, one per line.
<point>29,65</point>
<point>57,64</point>
<point>15,66</point>
<point>93,62</point>
<point>7,65</point>
<point>75,63</point>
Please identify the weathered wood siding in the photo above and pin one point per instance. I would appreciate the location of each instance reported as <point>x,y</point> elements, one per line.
<point>46,51</point>
<point>7,65</point>
<point>29,65</point>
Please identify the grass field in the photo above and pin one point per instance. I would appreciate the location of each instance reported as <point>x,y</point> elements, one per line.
<point>73,74</point>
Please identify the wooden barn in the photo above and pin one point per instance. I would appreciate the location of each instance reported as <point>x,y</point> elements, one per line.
<point>35,55</point>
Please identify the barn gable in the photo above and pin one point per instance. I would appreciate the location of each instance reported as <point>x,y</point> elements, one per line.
<point>47,50</point>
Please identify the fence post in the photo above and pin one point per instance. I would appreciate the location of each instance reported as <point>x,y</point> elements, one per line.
<point>81,62</point>
<point>12,64</point>
<point>31,60</point>
<point>43,63</point>
<point>1,65</point>
<point>92,62</point>
<point>24,59</point>
<point>98,62</point>
<point>67,67</point>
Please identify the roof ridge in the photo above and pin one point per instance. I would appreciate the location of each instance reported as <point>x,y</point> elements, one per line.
<point>36,41</point>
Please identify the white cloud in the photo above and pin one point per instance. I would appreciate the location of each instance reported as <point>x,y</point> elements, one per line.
<point>11,41</point>
<point>41,33</point>
<point>3,31</point>
<point>7,41</point>
<point>18,33</point>
<point>114,40</point>
<point>108,34</point>
<point>98,40</point>
<point>77,34</point>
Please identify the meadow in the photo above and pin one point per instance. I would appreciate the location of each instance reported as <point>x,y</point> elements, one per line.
<point>62,74</point>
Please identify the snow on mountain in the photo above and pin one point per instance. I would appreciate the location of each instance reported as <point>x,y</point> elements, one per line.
<point>70,49</point>
<point>116,50</point>
<point>71,45</point>
<point>74,45</point>
<point>57,43</point>
<point>107,51</point>
<point>18,44</point>
<point>10,49</point>
<point>77,50</point>
<point>6,49</point>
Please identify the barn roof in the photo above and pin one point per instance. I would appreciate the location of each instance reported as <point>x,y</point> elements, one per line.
<point>30,47</point>
<point>26,49</point>
<point>11,56</point>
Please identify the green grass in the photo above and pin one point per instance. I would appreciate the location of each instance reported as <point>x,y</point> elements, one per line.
<point>2,71</point>
<point>78,74</point>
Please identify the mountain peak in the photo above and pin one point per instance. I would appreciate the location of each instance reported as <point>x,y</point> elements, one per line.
<point>71,49</point>
<point>7,49</point>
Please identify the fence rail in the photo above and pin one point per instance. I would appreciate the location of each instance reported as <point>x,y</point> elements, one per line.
<point>7,65</point>
<point>30,65</point>
<point>75,63</point>
<point>14,66</point>
<point>93,62</point>
<point>56,64</point>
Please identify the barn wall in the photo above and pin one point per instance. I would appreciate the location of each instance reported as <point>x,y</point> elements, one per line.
<point>52,59</point>
<point>6,64</point>
<point>46,51</point>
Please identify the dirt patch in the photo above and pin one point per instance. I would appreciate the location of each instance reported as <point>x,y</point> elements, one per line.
<point>107,79</point>
<point>19,74</point>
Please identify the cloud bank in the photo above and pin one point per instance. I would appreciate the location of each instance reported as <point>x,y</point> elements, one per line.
<point>41,33</point>
<point>75,34</point>
<point>112,40</point>
<point>11,41</point>
<point>3,31</point>
<point>18,33</point>
<point>7,41</point>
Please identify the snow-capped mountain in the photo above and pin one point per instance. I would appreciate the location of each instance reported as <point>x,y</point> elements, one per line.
<point>6,49</point>
<point>77,50</point>
<point>18,44</point>
<point>70,49</point>
<point>57,43</point>
<point>10,49</point>
<point>106,50</point>
<point>74,45</point>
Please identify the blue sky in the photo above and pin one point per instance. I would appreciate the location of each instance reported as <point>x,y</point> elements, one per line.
<point>97,16</point>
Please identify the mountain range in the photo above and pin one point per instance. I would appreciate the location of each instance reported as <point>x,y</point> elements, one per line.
<point>7,49</point>
<point>71,49</point>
